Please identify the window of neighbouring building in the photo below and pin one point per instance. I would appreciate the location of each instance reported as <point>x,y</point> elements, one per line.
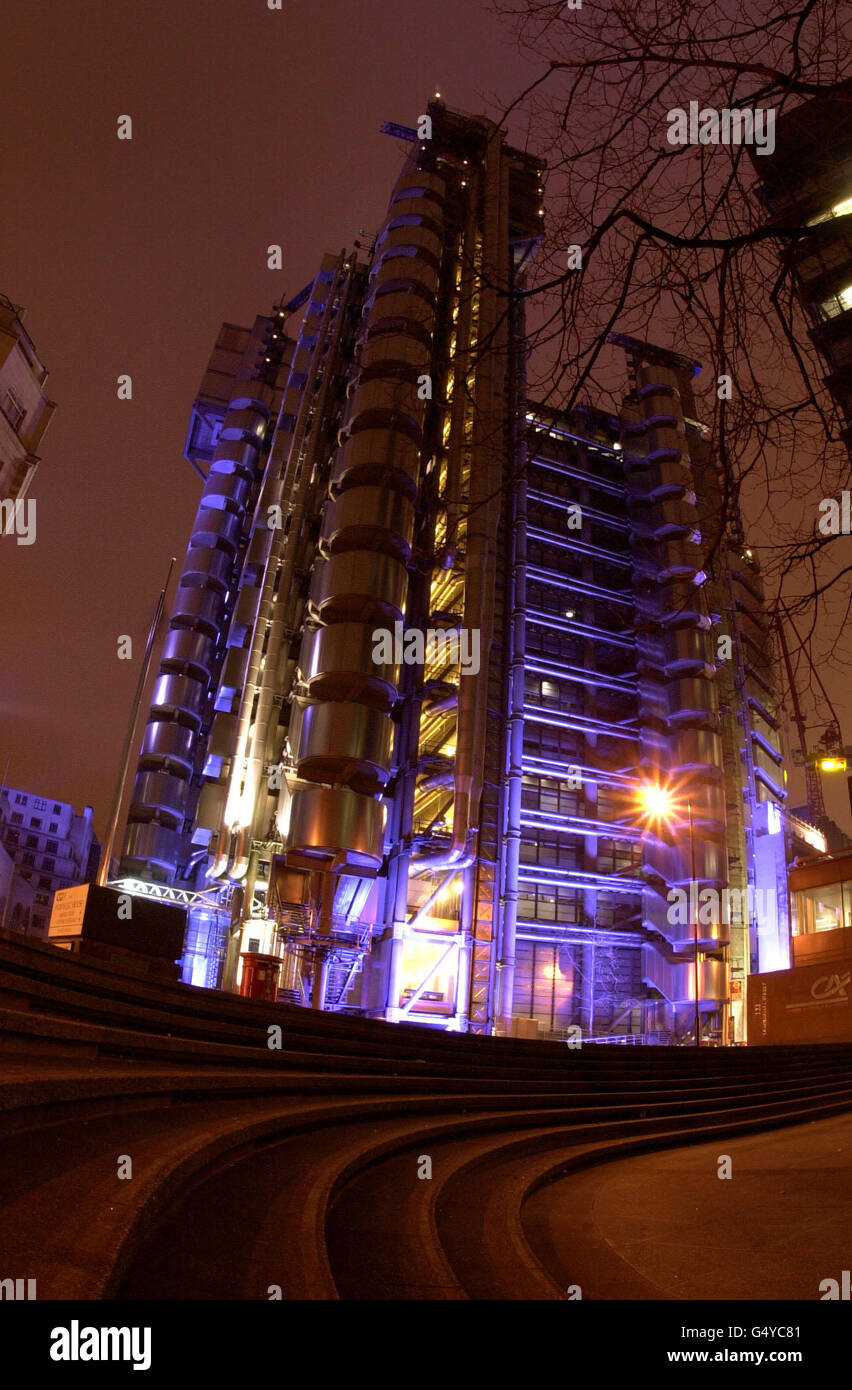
<point>14,409</point>
<point>824,908</point>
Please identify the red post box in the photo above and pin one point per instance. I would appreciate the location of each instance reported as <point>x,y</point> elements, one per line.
<point>260,976</point>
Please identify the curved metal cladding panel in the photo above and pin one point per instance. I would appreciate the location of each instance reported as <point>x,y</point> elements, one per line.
<point>336,663</point>
<point>148,843</point>
<point>376,456</point>
<point>330,824</point>
<point>657,520</point>
<point>210,566</point>
<point>400,346</point>
<point>418,188</point>
<point>211,804</point>
<point>679,604</point>
<point>411,231</point>
<point>686,651</point>
<point>667,861</point>
<point>198,622</point>
<point>676,921</point>
<point>168,743</point>
<point>707,800</point>
<point>217,529</point>
<point>400,303</point>
<point>162,790</point>
<point>223,487</point>
<point>657,480</point>
<point>692,700</point>
<point>194,650</point>
<point>369,518</point>
<point>697,750</point>
<point>346,744</point>
<point>676,981</point>
<point>358,585</point>
<point>174,695</point>
<point>381,400</point>
<point>403,263</point>
<point>673,556</point>
<point>199,608</point>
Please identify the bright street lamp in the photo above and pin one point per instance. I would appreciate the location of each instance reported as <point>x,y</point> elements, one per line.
<point>657,802</point>
<point>660,804</point>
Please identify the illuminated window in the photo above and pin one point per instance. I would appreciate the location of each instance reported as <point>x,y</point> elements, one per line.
<point>837,303</point>
<point>842,209</point>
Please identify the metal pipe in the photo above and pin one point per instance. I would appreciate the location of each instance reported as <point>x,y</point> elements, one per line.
<point>321,967</point>
<point>517,694</point>
<point>692,864</point>
<point>130,735</point>
<point>269,677</point>
<point>260,679</point>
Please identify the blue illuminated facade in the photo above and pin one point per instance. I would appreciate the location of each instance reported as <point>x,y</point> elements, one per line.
<point>422,840</point>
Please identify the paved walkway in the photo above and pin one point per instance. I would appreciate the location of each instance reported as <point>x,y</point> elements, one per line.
<point>664,1226</point>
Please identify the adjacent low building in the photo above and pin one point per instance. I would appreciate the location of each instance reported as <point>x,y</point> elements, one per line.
<point>51,846</point>
<point>811,1001</point>
<point>25,409</point>
<point>17,896</point>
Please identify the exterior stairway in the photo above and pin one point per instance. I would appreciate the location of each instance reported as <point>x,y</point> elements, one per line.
<point>303,1167</point>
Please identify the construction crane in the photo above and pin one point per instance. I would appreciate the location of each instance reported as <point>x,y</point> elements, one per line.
<point>831,739</point>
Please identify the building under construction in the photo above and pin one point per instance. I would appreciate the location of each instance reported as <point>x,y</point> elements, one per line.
<point>432,647</point>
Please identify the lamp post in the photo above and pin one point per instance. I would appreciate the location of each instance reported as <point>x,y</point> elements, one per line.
<point>695,924</point>
<point>659,804</point>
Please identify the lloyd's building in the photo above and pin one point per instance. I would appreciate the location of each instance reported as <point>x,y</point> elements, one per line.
<point>492,844</point>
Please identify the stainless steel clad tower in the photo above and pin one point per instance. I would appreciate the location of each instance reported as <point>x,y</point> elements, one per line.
<point>404,700</point>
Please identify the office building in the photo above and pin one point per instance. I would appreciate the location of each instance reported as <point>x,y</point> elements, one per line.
<point>51,846</point>
<point>435,652</point>
<point>25,410</point>
<point>807,183</point>
<point>17,896</point>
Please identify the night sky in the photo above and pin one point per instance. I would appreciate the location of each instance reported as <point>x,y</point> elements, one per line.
<point>250,127</point>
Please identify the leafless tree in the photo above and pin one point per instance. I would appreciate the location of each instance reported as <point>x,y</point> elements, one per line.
<point>677,249</point>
